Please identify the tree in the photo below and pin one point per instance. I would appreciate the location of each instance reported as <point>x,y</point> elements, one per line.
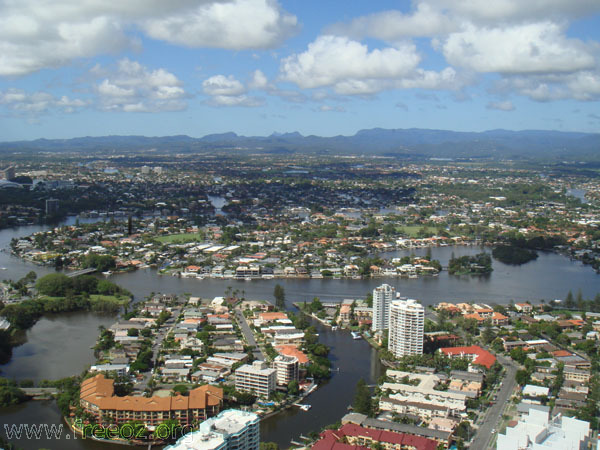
<point>362,399</point>
<point>569,301</point>
<point>293,387</point>
<point>54,284</point>
<point>279,294</point>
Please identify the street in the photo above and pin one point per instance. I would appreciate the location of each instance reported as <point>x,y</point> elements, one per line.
<point>491,418</point>
<point>241,320</point>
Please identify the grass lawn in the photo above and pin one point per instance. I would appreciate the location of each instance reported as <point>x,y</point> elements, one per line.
<point>180,238</point>
<point>121,300</point>
<point>413,230</point>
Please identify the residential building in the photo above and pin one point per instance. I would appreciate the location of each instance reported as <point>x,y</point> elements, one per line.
<point>406,328</point>
<point>361,437</point>
<point>7,173</point>
<point>257,378</point>
<point>382,297</point>
<point>230,430</point>
<point>287,369</point>
<point>97,397</point>
<point>476,354</point>
<point>537,430</point>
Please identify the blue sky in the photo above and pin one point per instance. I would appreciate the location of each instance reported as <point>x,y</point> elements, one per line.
<point>88,68</point>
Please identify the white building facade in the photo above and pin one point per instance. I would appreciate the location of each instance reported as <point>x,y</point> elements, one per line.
<point>382,297</point>
<point>406,328</point>
<point>230,430</point>
<point>256,378</point>
<point>287,369</point>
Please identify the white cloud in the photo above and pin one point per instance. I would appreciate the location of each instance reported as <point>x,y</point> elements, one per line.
<point>530,48</point>
<point>235,100</point>
<point>36,34</point>
<point>132,87</point>
<point>258,81</point>
<point>329,108</point>
<point>351,69</point>
<point>582,86</point>
<point>37,103</point>
<point>507,37</point>
<point>501,106</point>
<point>333,60</point>
<point>516,10</point>
<point>228,91</point>
<point>221,85</point>
<point>236,24</point>
<point>393,25</point>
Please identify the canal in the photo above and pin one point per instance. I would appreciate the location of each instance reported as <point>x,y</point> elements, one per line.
<point>59,346</point>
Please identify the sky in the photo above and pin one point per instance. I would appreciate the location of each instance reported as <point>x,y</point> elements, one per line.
<point>71,68</point>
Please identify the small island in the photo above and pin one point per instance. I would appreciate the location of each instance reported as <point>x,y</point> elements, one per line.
<point>479,264</point>
<point>509,254</point>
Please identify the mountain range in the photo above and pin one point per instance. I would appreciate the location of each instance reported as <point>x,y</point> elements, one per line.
<point>403,143</point>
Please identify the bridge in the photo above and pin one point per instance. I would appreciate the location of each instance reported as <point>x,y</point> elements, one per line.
<point>40,393</point>
<point>81,272</point>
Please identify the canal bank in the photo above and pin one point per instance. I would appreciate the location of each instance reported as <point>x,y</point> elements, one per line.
<point>59,346</point>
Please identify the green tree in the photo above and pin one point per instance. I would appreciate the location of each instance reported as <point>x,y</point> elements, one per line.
<point>569,301</point>
<point>362,399</point>
<point>293,387</point>
<point>279,294</point>
<point>54,284</point>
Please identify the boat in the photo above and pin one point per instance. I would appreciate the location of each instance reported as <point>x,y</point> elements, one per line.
<point>303,407</point>
<point>108,273</point>
<point>334,328</point>
<point>356,335</point>
<point>247,279</point>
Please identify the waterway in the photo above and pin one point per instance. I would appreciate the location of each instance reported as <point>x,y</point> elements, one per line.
<point>59,346</point>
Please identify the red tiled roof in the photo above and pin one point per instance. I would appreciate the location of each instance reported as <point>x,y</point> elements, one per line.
<point>330,438</point>
<point>483,357</point>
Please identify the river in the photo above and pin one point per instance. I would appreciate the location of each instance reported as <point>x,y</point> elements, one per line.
<point>59,346</point>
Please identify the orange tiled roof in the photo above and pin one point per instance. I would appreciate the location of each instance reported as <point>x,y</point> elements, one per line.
<point>483,357</point>
<point>269,316</point>
<point>100,392</point>
<point>290,350</point>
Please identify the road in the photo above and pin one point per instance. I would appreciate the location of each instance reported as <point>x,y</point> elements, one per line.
<point>491,418</point>
<point>248,335</point>
<point>156,346</point>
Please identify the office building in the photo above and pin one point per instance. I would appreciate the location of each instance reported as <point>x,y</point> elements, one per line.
<point>406,328</point>
<point>287,369</point>
<point>230,430</point>
<point>382,297</point>
<point>256,378</point>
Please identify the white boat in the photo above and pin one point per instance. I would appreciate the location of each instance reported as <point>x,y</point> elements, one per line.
<point>356,335</point>
<point>303,407</point>
<point>334,328</point>
<point>108,273</point>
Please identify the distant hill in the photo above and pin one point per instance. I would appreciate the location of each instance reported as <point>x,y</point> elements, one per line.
<point>405,143</point>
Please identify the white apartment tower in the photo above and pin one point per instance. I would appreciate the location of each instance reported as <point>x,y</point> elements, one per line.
<point>382,297</point>
<point>230,430</point>
<point>406,328</point>
<point>287,369</point>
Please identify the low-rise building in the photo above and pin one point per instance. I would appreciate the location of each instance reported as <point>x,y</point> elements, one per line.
<point>256,378</point>
<point>97,397</point>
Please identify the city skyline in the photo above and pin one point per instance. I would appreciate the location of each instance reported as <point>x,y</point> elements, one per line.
<point>258,66</point>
